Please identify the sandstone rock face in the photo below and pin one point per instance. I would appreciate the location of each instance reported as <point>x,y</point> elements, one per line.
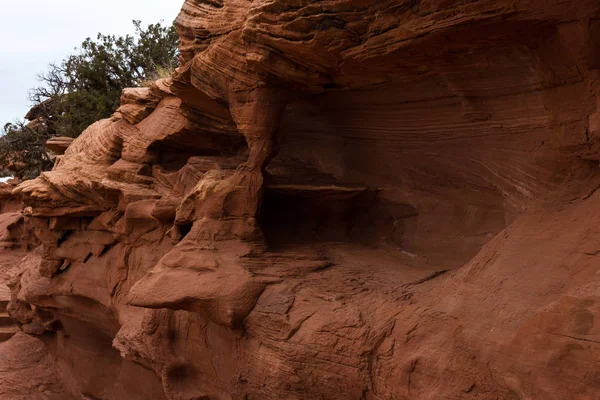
<point>59,144</point>
<point>349,199</point>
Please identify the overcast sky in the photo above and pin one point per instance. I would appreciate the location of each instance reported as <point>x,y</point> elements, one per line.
<point>34,33</point>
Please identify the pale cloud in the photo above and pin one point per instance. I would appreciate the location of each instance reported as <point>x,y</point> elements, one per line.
<point>35,33</point>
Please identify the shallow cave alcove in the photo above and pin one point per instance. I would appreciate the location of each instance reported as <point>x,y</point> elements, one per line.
<point>295,215</point>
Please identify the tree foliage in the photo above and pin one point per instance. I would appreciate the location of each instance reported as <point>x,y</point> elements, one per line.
<point>23,151</point>
<point>85,87</point>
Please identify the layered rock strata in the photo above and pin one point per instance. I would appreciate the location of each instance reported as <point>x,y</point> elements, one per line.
<point>332,200</point>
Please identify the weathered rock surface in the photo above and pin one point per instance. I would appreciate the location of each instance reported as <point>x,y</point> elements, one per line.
<point>331,200</point>
<point>27,371</point>
<point>59,144</point>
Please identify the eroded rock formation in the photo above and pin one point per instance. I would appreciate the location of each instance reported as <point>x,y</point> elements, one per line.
<point>331,200</point>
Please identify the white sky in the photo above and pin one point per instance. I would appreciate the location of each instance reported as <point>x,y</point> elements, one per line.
<point>34,33</point>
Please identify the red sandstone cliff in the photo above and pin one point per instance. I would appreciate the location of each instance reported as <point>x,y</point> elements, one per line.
<point>344,199</point>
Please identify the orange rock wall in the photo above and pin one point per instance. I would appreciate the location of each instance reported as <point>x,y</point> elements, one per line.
<point>331,200</point>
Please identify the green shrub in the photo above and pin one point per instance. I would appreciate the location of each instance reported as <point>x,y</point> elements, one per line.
<point>86,87</point>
